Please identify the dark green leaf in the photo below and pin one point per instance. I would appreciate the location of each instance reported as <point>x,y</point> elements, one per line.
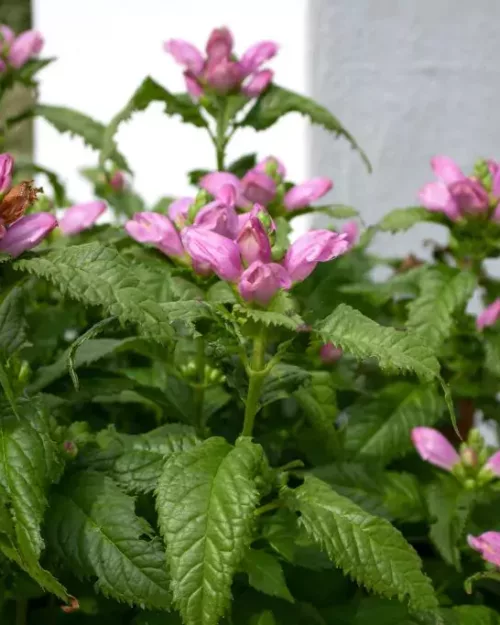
<point>266,575</point>
<point>93,528</point>
<point>240,166</point>
<point>395,350</point>
<point>276,102</point>
<point>12,322</point>
<point>205,501</point>
<point>367,548</point>
<point>401,219</point>
<point>281,382</point>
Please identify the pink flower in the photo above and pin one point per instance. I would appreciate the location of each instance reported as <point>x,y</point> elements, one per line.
<point>495,177</point>
<point>329,353</point>
<point>303,194</point>
<point>273,163</point>
<point>178,210</point>
<point>27,233</point>
<point>223,75</point>
<point>185,54</point>
<point>313,247</point>
<point>493,463</point>
<point>253,241</point>
<point>469,196</point>
<point>351,230</point>
<point>27,45</point>
<point>118,181</point>
<point>209,249</point>
<point>433,447</point>
<point>489,316</point>
<point>261,281</point>
<point>219,44</point>
<point>218,217</point>
<point>154,228</point>
<point>194,88</point>
<point>7,36</point>
<point>6,166</point>
<point>257,83</point>
<point>217,180</point>
<point>80,217</point>
<point>488,545</point>
<point>258,54</point>
<point>454,194</point>
<point>258,188</point>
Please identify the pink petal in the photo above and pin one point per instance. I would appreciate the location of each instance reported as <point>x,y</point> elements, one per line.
<point>446,169</point>
<point>186,54</point>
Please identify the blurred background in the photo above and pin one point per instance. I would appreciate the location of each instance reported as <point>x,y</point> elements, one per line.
<point>409,79</point>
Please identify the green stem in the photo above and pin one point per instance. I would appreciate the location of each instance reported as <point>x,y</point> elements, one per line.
<point>256,374</point>
<point>21,611</point>
<point>268,507</point>
<point>220,134</point>
<point>199,388</point>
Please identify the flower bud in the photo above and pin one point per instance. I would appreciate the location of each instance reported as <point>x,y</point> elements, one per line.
<point>219,44</point>
<point>330,354</point>
<point>218,217</point>
<point>223,75</point>
<point>6,166</point>
<point>150,227</point>
<point>469,196</point>
<point>70,449</point>
<point>193,87</point>
<point>118,181</point>
<point>303,195</point>
<point>313,247</point>
<point>24,47</point>
<point>489,316</point>
<point>81,217</point>
<point>272,167</point>
<point>179,209</point>
<point>260,282</point>
<point>258,188</point>
<point>488,545</point>
<point>253,242</point>
<point>257,83</point>
<point>27,233</point>
<point>433,447</point>
<point>212,250</point>
<point>468,456</point>
<point>493,464</point>
<point>258,54</point>
<point>351,230</point>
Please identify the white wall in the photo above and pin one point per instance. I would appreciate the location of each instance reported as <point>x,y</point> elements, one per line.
<point>105,49</point>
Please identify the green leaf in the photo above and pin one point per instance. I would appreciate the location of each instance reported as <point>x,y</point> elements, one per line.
<point>319,403</point>
<point>449,506</point>
<point>470,581</point>
<point>276,102</point>
<point>395,350</point>
<point>80,125</point>
<point>379,429</point>
<point>12,322</point>
<point>29,464</point>
<point>367,548</point>
<point>148,92</point>
<point>337,211</point>
<point>281,382</point>
<point>195,175</point>
<point>360,484</point>
<point>93,528</point>
<point>280,313</point>
<point>98,275</point>
<point>403,496</point>
<point>443,292</point>
<point>471,615</point>
<point>264,618</point>
<point>492,349</point>
<point>205,500</point>
<point>139,466</point>
<point>241,165</point>
<point>266,575</point>
<point>401,219</point>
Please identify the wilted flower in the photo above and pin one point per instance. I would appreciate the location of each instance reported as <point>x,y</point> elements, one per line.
<point>16,201</point>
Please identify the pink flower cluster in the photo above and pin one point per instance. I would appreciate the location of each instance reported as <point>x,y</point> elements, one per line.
<point>237,248</point>
<point>25,231</point>
<point>220,71</point>
<point>258,186</point>
<point>433,447</point>
<point>16,51</point>
<point>457,195</point>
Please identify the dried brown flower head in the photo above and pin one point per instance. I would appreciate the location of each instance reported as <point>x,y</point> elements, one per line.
<point>17,200</point>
